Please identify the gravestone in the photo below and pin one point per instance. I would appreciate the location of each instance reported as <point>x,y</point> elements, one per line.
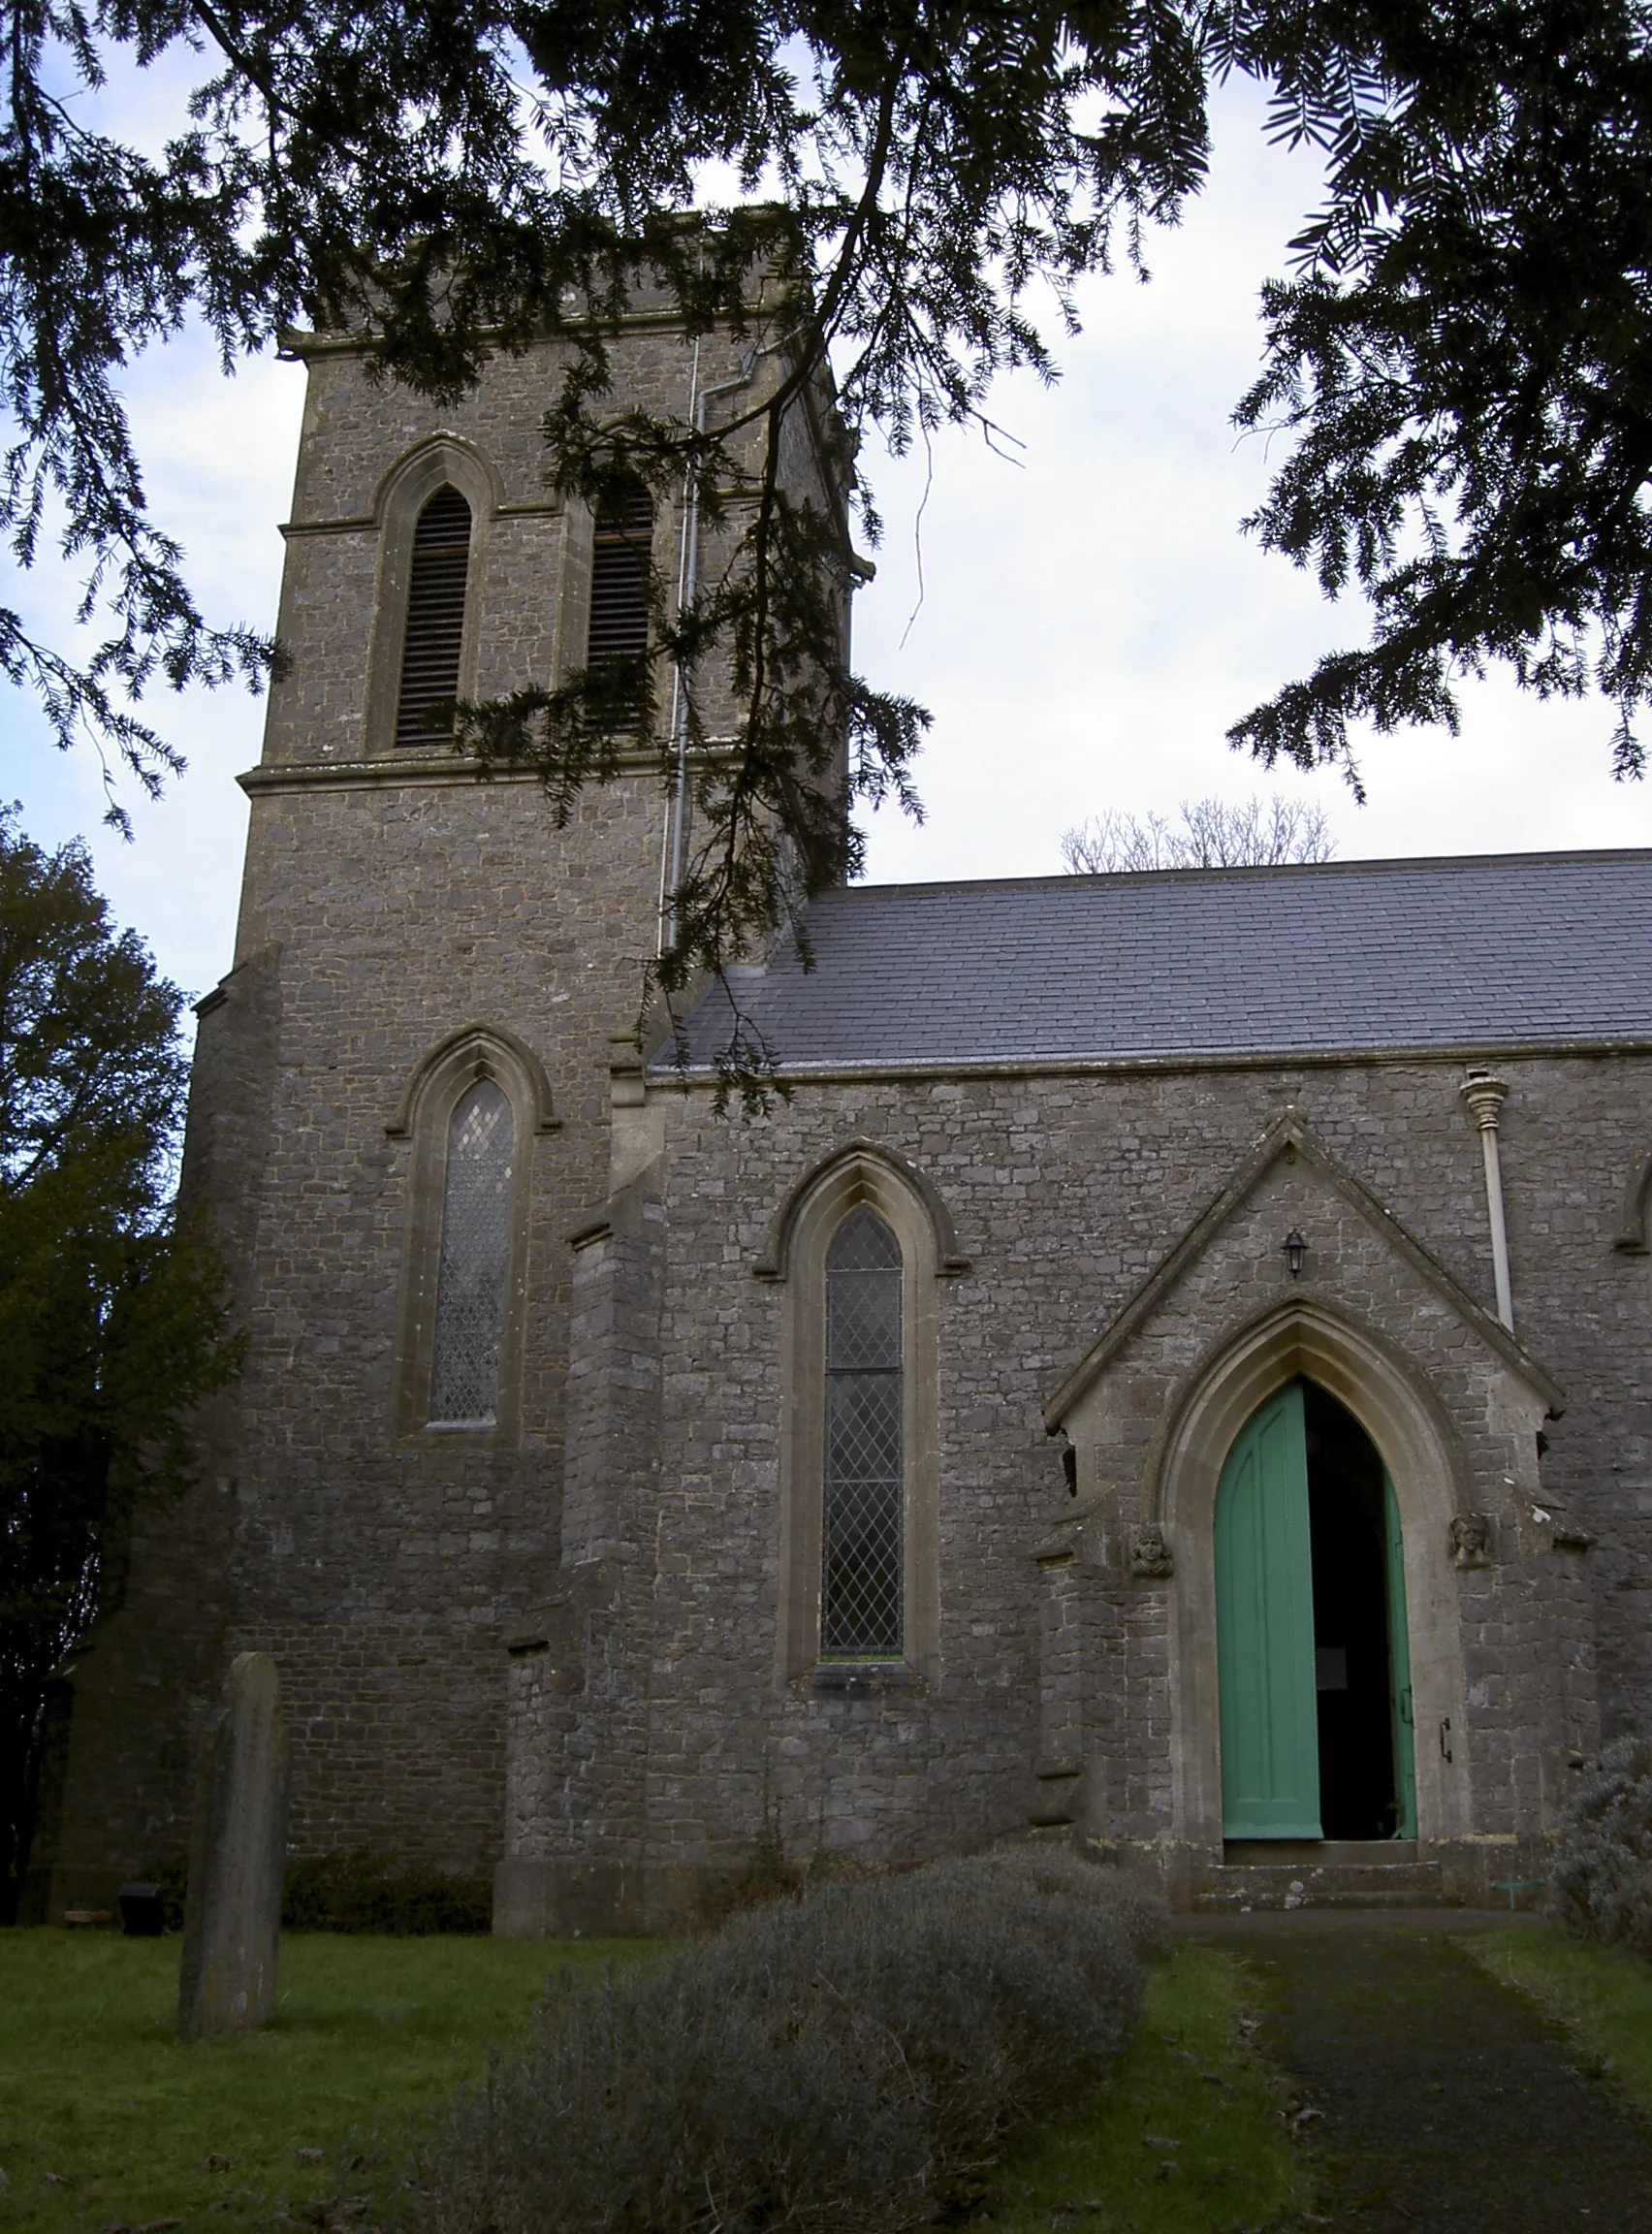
<point>237,1853</point>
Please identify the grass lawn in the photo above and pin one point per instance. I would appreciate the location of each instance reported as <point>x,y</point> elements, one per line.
<point>1189,2138</point>
<point>105,2120</point>
<point>1603,1993</point>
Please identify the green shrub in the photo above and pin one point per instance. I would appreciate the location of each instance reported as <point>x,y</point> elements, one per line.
<point>847,2063</point>
<point>1601,1878</point>
<point>361,1891</point>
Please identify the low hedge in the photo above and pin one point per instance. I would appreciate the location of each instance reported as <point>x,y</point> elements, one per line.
<point>363,1892</point>
<point>847,2063</point>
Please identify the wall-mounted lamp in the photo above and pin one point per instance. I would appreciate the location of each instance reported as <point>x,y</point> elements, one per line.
<point>1295,1249</point>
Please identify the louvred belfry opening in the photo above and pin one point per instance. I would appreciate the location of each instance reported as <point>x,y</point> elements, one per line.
<point>618,628</point>
<point>435,616</point>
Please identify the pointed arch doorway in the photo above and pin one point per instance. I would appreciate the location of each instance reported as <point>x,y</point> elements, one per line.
<point>1312,1646</point>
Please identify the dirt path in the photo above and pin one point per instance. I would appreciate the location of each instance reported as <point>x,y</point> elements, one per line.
<point>1449,2105</point>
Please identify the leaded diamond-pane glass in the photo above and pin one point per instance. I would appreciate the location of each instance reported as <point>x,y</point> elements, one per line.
<point>861,1581</point>
<point>862,1295</point>
<point>476,1242</point>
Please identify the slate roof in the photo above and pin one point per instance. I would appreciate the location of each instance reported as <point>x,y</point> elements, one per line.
<point>1355,956</point>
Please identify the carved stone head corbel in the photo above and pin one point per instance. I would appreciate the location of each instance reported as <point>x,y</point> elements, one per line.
<point>1150,1554</point>
<point>1471,1539</point>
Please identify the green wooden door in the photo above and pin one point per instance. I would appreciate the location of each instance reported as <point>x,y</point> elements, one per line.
<point>1399,1669</point>
<point>1264,1629</point>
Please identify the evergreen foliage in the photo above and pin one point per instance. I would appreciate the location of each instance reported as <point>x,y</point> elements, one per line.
<point>1463,352</point>
<point>111,1324</point>
<point>1601,1878</point>
<point>1460,351</point>
<point>853,2059</point>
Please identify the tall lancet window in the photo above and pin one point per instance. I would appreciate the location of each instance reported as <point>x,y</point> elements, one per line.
<point>434,638</point>
<point>861,1579</point>
<point>475,1260</point>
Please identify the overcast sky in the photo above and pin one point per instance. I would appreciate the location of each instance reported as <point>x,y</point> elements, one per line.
<point>1090,621</point>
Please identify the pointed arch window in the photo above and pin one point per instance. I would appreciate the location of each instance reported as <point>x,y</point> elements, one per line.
<point>618,631</point>
<point>862,1244</point>
<point>433,639</point>
<point>475,1259</point>
<point>473,1111</point>
<point>862,1565</point>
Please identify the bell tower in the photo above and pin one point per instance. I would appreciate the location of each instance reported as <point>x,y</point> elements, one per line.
<point>401,1111</point>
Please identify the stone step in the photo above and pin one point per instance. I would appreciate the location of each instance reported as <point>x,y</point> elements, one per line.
<point>1317,1852</point>
<point>1226,1899</point>
<point>1376,1875</point>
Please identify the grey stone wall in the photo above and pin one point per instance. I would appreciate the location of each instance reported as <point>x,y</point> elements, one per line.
<point>1067,1192</point>
<point>389,901</point>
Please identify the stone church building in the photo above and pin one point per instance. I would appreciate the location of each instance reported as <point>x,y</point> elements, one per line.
<point>1175,1366</point>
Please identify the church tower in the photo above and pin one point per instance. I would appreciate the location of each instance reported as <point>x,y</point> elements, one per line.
<point>401,1113</point>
